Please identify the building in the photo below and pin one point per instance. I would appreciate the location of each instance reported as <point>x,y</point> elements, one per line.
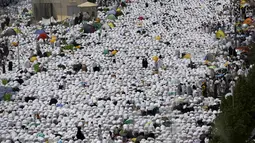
<point>59,9</point>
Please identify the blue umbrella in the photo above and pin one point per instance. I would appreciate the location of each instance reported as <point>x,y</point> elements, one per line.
<point>41,31</point>
<point>113,12</point>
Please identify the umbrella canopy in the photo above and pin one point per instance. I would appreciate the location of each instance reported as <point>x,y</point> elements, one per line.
<point>248,21</point>
<point>212,67</point>
<point>43,36</point>
<point>98,20</point>
<point>220,34</point>
<point>187,56</point>
<point>15,44</point>
<point>114,52</point>
<point>140,18</point>
<point>129,121</point>
<point>243,3</point>
<point>158,38</point>
<point>53,39</point>
<point>17,30</point>
<point>119,13</point>
<point>39,31</point>
<point>106,51</point>
<point>210,57</point>
<point>118,10</point>
<point>111,24</point>
<point>243,49</point>
<point>88,28</point>
<point>111,17</point>
<point>155,58</point>
<point>9,32</point>
<point>32,59</point>
<point>97,25</point>
<point>111,12</point>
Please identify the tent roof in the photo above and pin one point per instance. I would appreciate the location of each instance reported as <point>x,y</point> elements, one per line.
<point>87,4</point>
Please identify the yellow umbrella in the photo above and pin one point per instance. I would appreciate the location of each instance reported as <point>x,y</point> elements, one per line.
<point>110,24</point>
<point>243,3</point>
<point>187,56</point>
<point>17,30</point>
<point>220,34</point>
<point>53,39</point>
<point>78,47</point>
<point>226,64</point>
<point>133,139</point>
<point>158,38</point>
<point>15,44</point>
<point>118,10</point>
<point>32,59</point>
<point>114,52</point>
<point>155,58</point>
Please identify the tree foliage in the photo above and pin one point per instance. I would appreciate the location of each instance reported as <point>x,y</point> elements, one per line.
<point>236,121</point>
<point>93,1</point>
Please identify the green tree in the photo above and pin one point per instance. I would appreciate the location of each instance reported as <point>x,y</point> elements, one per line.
<point>236,121</point>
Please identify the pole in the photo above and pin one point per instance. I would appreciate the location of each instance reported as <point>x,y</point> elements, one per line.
<point>18,58</point>
<point>61,11</point>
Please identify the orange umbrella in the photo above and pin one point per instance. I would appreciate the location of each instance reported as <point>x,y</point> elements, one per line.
<point>97,20</point>
<point>248,21</point>
<point>43,36</point>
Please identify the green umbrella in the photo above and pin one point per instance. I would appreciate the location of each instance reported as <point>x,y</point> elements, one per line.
<point>7,97</point>
<point>129,121</point>
<point>106,51</point>
<point>4,81</point>
<point>212,67</point>
<point>68,47</point>
<point>37,67</point>
<point>97,25</point>
<point>40,135</point>
<point>111,17</point>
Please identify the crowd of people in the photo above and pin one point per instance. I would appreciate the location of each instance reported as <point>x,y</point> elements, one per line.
<point>155,76</point>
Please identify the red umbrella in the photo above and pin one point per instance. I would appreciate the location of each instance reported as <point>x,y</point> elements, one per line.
<point>243,49</point>
<point>42,36</point>
<point>140,18</point>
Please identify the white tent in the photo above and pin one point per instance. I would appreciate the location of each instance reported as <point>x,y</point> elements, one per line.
<point>48,21</point>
